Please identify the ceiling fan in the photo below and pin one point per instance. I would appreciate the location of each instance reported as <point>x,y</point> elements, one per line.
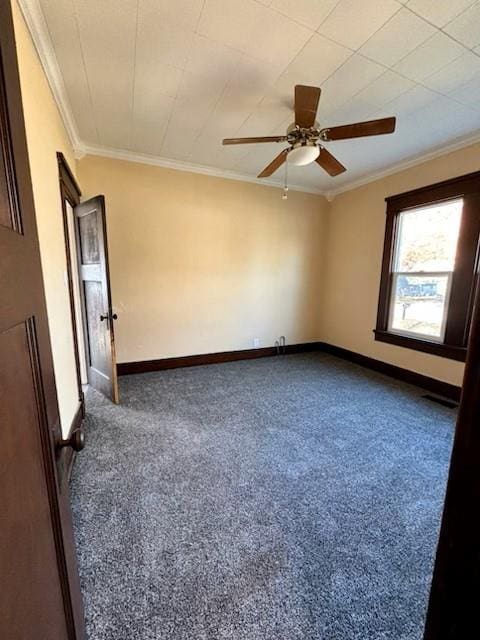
<point>305,136</point>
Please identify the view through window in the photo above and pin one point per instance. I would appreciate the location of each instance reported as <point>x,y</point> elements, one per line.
<point>423,264</point>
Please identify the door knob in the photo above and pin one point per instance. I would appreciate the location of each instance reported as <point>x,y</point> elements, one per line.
<point>112,316</point>
<point>76,441</point>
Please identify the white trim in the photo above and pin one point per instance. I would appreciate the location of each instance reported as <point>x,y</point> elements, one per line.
<point>446,299</point>
<point>130,156</point>
<point>35,20</point>
<point>79,153</point>
<point>407,164</point>
<point>38,28</point>
<point>179,165</point>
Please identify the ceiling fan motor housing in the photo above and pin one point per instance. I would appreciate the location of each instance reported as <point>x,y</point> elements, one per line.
<point>294,132</point>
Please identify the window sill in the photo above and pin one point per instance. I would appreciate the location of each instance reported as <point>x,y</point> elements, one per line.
<point>417,344</point>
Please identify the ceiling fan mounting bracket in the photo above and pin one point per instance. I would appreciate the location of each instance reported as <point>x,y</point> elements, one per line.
<point>303,130</point>
<point>295,133</point>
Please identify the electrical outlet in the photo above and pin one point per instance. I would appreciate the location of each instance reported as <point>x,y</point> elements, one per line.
<point>256,342</point>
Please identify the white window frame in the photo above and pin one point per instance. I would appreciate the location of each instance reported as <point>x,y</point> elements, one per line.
<point>417,334</point>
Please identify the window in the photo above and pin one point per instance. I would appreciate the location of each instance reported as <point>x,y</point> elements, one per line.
<point>429,268</point>
<point>424,259</point>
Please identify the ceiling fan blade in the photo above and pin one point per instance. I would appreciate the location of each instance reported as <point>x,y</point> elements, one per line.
<point>254,140</point>
<point>306,105</point>
<point>359,129</point>
<point>328,162</point>
<point>274,164</point>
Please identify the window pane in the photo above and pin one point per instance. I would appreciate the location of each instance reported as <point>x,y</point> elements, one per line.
<point>428,237</point>
<point>418,304</point>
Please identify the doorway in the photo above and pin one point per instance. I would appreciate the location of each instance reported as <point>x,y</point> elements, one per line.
<point>88,279</point>
<point>70,194</point>
<point>76,294</point>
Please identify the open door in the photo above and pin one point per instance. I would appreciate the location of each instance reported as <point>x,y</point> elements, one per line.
<point>91,229</point>
<point>39,593</point>
<point>454,596</point>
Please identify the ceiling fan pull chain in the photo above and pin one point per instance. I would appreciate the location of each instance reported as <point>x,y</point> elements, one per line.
<point>285,187</point>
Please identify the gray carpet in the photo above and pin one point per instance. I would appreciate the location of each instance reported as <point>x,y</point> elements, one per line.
<point>289,498</point>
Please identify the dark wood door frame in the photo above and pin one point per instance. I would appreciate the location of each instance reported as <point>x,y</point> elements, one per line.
<point>70,192</point>
<point>455,590</point>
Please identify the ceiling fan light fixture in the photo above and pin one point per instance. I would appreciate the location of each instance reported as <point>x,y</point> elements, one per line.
<point>303,154</point>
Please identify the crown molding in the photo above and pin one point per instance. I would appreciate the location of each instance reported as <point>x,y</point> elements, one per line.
<point>179,165</point>
<point>329,194</point>
<point>35,20</point>
<point>460,143</point>
<point>38,28</point>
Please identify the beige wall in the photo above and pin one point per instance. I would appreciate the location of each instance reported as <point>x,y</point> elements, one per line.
<point>202,264</point>
<point>356,226</point>
<point>45,136</point>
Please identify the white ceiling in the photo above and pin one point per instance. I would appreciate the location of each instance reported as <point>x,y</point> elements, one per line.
<point>171,78</point>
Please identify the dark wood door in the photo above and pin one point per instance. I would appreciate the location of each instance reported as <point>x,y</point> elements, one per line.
<point>91,229</point>
<point>455,591</point>
<point>39,592</point>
